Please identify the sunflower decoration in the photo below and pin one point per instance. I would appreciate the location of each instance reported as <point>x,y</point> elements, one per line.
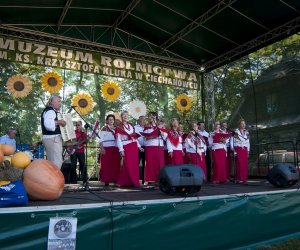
<point>18,86</point>
<point>137,108</point>
<point>83,103</point>
<point>183,102</point>
<point>52,82</point>
<point>110,91</point>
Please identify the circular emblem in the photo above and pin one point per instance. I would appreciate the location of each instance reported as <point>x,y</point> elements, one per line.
<point>62,229</point>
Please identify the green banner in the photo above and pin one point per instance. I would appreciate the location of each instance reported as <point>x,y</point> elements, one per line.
<point>20,51</point>
<point>227,222</point>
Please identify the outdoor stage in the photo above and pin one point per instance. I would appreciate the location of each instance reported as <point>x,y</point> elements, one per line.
<point>225,216</point>
<point>98,193</point>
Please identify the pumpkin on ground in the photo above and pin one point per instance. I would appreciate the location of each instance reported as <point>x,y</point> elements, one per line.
<point>7,149</point>
<point>43,180</point>
<point>20,160</point>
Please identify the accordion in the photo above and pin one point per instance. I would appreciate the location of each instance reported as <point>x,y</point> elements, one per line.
<point>67,132</point>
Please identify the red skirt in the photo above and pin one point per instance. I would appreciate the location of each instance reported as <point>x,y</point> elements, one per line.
<point>110,165</point>
<point>228,163</point>
<point>241,163</point>
<point>219,165</point>
<point>129,172</point>
<point>177,158</point>
<point>154,161</point>
<point>186,158</point>
<point>199,160</point>
<point>167,157</point>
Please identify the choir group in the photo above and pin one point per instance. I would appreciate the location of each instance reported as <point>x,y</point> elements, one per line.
<point>124,146</point>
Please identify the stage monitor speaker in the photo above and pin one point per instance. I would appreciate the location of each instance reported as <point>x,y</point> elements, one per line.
<point>181,179</point>
<point>283,174</point>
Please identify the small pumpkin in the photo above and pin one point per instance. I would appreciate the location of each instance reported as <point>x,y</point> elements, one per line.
<point>20,160</point>
<point>43,180</point>
<point>2,183</point>
<point>1,156</point>
<point>8,149</point>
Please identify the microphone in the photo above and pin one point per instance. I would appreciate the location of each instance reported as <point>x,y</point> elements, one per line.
<point>70,109</point>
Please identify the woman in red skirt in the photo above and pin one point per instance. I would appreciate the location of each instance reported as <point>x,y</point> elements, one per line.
<point>110,156</point>
<point>128,148</point>
<point>217,141</point>
<point>154,148</point>
<point>174,144</point>
<point>196,147</point>
<point>241,145</point>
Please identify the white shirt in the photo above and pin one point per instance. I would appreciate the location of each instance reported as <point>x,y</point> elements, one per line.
<point>123,140</point>
<point>193,147</point>
<point>215,145</point>
<point>172,147</point>
<point>6,140</point>
<point>49,123</point>
<point>107,137</point>
<point>241,139</point>
<point>158,141</point>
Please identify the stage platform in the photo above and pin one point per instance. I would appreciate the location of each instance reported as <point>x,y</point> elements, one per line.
<point>98,193</point>
<point>223,216</point>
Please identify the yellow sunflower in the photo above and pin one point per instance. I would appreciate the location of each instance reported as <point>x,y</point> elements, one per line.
<point>52,82</point>
<point>83,103</point>
<point>110,91</point>
<point>18,86</point>
<point>183,102</point>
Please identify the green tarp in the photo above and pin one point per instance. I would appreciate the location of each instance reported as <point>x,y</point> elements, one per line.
<point>224,222</point>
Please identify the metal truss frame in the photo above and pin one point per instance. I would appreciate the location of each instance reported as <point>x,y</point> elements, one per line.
<point>288,28</point>
<point>197,22</point>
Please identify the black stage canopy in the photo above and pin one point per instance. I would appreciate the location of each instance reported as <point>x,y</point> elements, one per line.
<point>191,34</point>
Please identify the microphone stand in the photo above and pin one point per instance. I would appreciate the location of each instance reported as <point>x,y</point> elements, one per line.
<point>86,126</point>
<point>20,142</point>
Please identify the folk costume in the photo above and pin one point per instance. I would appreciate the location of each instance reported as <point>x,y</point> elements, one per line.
<point>154,151</point>
<point>205,135</point>
<point>174,145</point>
<point>110,160</point>
<point>241,145</point>
<point>127,143</point>
<point>195,149</point>
<point>218,152</point>
<point>52,139</point>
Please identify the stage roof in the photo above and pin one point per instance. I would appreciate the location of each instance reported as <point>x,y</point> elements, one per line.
<point>192,34</point>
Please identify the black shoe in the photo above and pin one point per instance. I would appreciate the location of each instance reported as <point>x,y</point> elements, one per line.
<point>86,186</point>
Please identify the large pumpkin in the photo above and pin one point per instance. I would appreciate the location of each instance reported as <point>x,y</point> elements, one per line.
<point>20,160</point>
<point>43,180</point>
<point>7,149</point>
<point>1,156</point>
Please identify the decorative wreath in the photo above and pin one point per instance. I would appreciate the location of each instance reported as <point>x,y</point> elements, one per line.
<point>110,91</point>
<point>18,86</point>
<point>183,102</point>
<point>83,103</point>
<point>137,108</point>
<point>52,82</point>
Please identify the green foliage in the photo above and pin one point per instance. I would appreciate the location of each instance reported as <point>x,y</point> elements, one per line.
<point>231,80</point>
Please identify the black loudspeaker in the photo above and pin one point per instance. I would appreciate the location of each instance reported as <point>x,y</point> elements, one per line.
<point>283,174</point>
<point>182,179</point>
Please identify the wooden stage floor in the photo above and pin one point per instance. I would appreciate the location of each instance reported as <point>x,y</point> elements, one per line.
<point>97,193</point>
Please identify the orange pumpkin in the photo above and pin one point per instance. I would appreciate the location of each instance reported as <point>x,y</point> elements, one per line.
<point>43,180</point>
<point>1,156</point>
<point>20,160</point>
<point>8,149</point>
